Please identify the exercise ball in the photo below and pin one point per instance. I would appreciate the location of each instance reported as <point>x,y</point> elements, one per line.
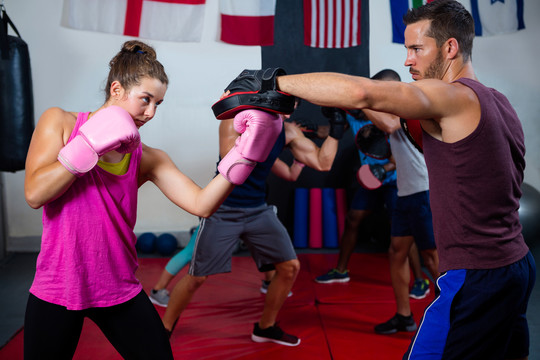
<point>146,243</point>
<point>529,214</point>
<point>166,244</point>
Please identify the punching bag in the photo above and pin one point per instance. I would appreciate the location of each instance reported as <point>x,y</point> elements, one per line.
<point>16,98</point>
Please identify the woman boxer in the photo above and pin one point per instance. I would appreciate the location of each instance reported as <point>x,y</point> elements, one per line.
<point>84,169</point>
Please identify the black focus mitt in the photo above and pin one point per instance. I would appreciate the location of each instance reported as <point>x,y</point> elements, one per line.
<point>358,114</point>
<point>373,142</point>
<point>254,89</point>
<point>337,119</point>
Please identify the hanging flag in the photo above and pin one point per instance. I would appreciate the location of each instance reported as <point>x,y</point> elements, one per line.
<point>172,20</point>
<point>247,22</point>
<point>492,17</point>
<point>398,8</point>
<point>290,53</point>
<point>332,23</point>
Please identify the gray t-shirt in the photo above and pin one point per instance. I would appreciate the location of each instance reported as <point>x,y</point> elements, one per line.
<point>412,176</point>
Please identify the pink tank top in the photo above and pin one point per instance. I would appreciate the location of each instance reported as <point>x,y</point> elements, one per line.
<point>88,257</point>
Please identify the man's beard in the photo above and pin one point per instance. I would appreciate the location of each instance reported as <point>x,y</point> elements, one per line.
<point>436,68</point>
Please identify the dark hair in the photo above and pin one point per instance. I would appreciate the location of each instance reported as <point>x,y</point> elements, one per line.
<point>387,74</point>
<point>135,61</point>
<point>449,19</point>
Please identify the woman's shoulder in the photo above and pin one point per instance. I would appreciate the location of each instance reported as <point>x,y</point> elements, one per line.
<point>56,114</point>
<point>60,112</point>
<point>56,120</point>
<point>152,154</point>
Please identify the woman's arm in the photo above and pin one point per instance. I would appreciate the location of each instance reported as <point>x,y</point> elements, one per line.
<point>157,167</point>
<point>45,177</point>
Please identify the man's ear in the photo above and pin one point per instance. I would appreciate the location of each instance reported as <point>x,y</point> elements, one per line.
<point>451,48</point>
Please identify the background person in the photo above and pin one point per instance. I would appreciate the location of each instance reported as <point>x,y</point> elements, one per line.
<point>411,220</point>
<point>245,216</point>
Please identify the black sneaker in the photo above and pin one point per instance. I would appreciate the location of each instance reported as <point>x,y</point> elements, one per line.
<point>395,324</point>
<point>273,334</point>
<point>333,276</point>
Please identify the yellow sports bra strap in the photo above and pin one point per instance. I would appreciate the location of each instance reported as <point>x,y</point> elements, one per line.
<point>119,168</point>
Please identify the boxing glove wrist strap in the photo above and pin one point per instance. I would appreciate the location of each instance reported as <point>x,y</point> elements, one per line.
<point>235,168</point>
<point>77,156</point>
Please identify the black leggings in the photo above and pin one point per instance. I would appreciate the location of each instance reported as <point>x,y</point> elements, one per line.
<point>134,328</point>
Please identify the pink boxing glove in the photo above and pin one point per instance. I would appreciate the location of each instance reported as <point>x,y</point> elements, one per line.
<point>259,131</point>
<point>235,168</point>
<point>109,129</point>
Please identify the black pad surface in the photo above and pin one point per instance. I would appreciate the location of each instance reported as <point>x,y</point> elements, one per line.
<point>272,101</point>
<point>373,142</point>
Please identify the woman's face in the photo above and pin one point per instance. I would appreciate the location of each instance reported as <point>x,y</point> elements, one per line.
<point>141,101</point>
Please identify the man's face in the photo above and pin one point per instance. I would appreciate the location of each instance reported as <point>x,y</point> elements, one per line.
<point>424,58</point>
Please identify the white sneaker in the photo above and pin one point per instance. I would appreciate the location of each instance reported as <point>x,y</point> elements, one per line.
<point>264,288</point>
<point>160,297</point>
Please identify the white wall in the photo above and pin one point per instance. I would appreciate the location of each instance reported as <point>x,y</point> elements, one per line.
<point>69,68</point>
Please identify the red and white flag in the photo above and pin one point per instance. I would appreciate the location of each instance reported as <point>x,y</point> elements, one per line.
<point>332,23</point>
<point>247,22</point>
<point>172,20</point>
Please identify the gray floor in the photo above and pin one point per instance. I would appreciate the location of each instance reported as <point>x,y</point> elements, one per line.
<point>17,271</point>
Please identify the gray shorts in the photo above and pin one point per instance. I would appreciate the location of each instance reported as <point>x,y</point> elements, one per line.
<point>260,230</point>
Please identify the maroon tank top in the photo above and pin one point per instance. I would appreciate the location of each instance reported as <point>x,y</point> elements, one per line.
<point>475,187</point>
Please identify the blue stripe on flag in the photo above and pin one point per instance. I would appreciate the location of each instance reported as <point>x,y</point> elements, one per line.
<point>398,8</point>
<point>476,18</point>
<point>494,23</point>
<point>521,22</point>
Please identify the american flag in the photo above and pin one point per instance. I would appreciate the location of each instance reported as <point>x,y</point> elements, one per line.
<point>332,23</point>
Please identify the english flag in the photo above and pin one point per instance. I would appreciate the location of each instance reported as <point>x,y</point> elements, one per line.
<point>171,20</point>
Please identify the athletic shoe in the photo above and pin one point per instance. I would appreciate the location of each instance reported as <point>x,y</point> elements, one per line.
<point>333,276</point>
<point>264,288</point>
<point>420,289</point>
<point>273,334</point>
<point>159,297</point>
<point>395,324</point>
